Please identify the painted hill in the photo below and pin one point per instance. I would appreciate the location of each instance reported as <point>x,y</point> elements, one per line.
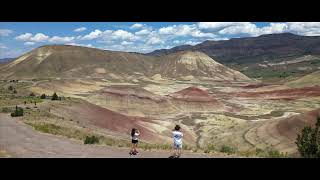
<point>312,79</point>
<point>75,61</point>
<point>193,94</point>
<point>196,64</point>
<point>81,62</point>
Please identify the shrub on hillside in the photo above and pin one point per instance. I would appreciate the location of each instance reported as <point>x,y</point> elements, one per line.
<point>91,140</point>
<point>43,96</point>
<point>32,94</point>
<point>276,154</point>
<point>15,91</point>
<point>55,96</point>
<point>10,88</point>
<point>308,141</point>
<point>17,112</point>
<point>227,149</point>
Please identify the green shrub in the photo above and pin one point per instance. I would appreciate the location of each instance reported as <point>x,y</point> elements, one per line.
<point>43,96</point>
<point>55,96</point>
<point>17,112</point>
<point>10,88</point>
<point>48,128</point>
<point>211,147</point>
<point>15,91</point>
<point>32,94</point>
<point>308,141</point>
<point>227,149</point>
<point>276,154</point>
<point>259,152</point>
<point>91,140</point>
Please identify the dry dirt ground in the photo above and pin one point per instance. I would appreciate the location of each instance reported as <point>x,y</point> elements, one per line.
<point>20,140</point>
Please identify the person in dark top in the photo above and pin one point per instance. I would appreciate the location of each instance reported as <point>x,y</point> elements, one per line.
<point>134,140</point>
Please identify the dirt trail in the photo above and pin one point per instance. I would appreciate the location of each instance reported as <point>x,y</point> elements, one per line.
<point>20,140</point>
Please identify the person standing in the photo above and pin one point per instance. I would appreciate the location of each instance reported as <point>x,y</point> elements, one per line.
<point>134,140</point>
<point>177,141</point>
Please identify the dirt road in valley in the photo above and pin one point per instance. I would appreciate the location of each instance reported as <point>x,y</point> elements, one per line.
<point>21,140</point>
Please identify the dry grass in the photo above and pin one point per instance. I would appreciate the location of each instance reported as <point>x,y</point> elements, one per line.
<point>4,154</point>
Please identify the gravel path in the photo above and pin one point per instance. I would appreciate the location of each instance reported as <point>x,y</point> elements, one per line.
<point>20,140</point>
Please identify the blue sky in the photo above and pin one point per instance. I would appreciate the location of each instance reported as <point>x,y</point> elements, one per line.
<point>17,38</point>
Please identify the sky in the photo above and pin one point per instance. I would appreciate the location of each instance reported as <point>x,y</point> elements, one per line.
<point>17,38</point>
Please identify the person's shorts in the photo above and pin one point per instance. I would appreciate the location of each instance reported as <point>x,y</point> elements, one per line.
<point>134,141</point>
<point>177,146</point>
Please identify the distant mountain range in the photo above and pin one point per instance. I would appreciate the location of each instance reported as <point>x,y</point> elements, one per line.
<point>253,49</point>
<point>264,56</point>
<point>4,60</point>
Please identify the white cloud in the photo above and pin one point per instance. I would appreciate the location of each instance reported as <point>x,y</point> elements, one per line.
<point>29,43</point>
<point>80,29</point>
<point>39,37</point>
<point>111,36</point>
<point>185,30</point>
<point>183,42</point>
<point>125,35</point>
<point>84,45</point>
<point>274,28</point>
<point>24,37</point>
<point>138,47</point>
<point>137,26</point>
<point>192,43</point>
<point>5,32</point>
<point>143,32</point>
<point>93,35</point>
<point>2,46</point>
<point>57,39</point>
<point>304,28</point>
<point>241,28</point>
<point>126,43</point>
<point>155,40</point>
<point>216,26</point>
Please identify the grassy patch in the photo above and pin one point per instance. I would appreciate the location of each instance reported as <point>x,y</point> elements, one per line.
<point>264,153</point>
<point>91,140</point>
<point>270,153</point>
<point>7,109</point>
<point>4,154</point>
<point>228,149</point>
<point>210,148</point>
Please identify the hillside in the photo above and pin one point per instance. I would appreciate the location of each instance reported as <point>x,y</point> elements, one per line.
<point>251,55</point>
<point>80,62</point>
<point>264,47</point>
<point>312,79</point>
<point>71,61</point>
<point>196,64</point>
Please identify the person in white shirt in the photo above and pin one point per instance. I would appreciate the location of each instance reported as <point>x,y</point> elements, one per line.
<point>134,139</point>
<point>177,141</point>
